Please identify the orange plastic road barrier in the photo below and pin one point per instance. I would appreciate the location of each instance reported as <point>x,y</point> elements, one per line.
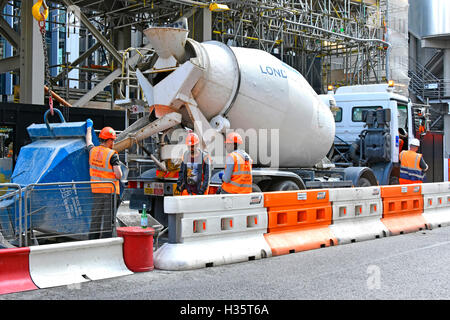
<point>403,208</point>
<point>298,221</point>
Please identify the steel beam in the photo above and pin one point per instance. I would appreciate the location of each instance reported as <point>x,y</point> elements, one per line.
<point>80,59</point>
<point>9,64</point>
<point>9,34</point>
<point>32,66</point>
<point>132,62</point>
<point>100,38</point>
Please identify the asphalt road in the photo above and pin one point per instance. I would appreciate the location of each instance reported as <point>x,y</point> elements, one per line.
<point>409,266</point>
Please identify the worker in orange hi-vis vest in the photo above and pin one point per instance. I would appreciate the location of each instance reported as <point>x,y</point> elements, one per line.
<point>237,176</point>
<point>195,170</point>
<point>104,165</point>
<point>412,165</point>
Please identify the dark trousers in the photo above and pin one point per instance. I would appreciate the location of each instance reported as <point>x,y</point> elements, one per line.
<point>103,215</point>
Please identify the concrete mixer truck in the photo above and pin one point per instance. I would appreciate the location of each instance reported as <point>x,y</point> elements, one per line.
<point>212,88</point>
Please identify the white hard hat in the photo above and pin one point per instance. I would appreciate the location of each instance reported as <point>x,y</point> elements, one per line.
<point>415,142</point>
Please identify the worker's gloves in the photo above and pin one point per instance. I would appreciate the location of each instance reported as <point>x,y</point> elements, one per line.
<point>220,175</point>
<point>89,123</point>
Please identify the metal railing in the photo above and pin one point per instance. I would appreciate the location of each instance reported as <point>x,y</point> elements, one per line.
<point>425,84</point>
<point>420,71</point>
<point>10,206</point>
<point>60,211</point>
<point>431,89</point>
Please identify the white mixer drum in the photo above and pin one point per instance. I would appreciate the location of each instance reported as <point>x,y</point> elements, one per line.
<point>255,90</point>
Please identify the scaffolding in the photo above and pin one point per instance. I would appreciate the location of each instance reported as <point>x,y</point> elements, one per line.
<point>339,42</point>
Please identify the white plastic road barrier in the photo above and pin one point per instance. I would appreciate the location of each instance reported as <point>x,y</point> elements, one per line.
<point>436,203</point>
<point>356,214</point>
<point>75,262</point>
<point>213,230</point>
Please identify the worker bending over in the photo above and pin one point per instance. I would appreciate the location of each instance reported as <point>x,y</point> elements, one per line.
<point>195,170</point>
<point>104,165</point>
<point>237,176</point>
<point>412,165</point>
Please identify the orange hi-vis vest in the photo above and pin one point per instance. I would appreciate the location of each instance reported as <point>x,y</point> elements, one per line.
<point>241,178</point>
<point>410,171</point>
<point>101,170</point>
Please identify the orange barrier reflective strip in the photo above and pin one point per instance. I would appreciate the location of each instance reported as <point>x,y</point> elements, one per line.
<point>286,198</point>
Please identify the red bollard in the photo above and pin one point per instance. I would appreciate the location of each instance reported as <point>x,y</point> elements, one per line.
<point>137,247</point>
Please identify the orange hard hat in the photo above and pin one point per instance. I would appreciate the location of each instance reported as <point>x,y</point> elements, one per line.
<point>107,133</point>
<point>234,137</point>
<point>192,139</point>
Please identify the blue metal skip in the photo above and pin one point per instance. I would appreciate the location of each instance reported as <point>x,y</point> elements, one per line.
<point>57,153</point>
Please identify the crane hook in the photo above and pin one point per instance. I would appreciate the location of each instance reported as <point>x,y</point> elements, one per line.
<point>36,11</point>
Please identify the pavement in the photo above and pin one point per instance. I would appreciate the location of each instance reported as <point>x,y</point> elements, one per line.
<point>405,267</point>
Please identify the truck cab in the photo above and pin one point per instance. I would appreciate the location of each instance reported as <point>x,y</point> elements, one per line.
<point>353,103</point>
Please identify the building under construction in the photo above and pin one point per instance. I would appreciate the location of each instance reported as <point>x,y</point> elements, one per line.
<point>86,52</point>
<point>88,43</point>
<point>227,131</point>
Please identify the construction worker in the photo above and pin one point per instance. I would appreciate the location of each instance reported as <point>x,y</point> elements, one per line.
<point>237,176</point>
<point>104,165</point>
<point>412,165</point>
<point>421,129</point>
<point>195,170</point>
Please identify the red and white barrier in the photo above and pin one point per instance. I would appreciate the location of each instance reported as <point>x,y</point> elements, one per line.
<point>75,262</point>
<point>14,271</point>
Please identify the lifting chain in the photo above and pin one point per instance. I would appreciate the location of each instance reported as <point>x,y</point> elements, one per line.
<point>41,17</point>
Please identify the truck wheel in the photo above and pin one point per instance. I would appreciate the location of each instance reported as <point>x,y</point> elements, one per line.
<point>284,185</point>
<point>364,182</point>
<point>256,188</point>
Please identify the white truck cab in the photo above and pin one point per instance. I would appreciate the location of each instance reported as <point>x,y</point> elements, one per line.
<point>351,101</point>
<point>351,145</point>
